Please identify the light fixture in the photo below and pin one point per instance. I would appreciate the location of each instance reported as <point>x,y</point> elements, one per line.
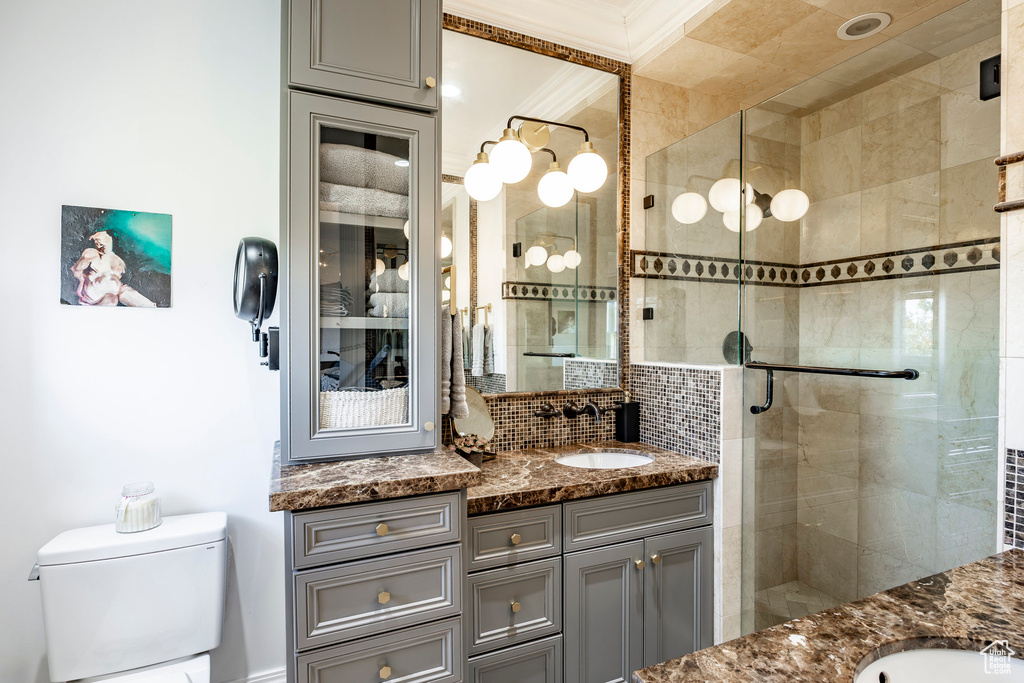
<point>403,271</point>
<point>556,263</point>
<point>402,163</point>
<point>450,90</point>
<point>587,170</point>
<point>689,207</point>
<point>446,246</point>
<point>448,282</point>
<point>482,180</point>
<point>753,218</point>
<point>380,267</point>
<point>405,229</point>
<point>725,193</point>
<point>511,158</point>
<point>572,258</point>
<point>555,189</point>
<point>790,205</point>
<point>863,26</point>
<point>536,255</point>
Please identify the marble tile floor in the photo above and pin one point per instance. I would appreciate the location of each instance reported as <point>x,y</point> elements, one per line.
<point>789,601</point>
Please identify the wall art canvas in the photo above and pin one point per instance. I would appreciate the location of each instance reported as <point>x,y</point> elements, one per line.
<point>111,257</point>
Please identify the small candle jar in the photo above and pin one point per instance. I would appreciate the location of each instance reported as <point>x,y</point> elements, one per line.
<point>139,508</point>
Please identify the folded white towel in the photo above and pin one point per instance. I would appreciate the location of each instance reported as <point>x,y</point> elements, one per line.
<point>388,305</point>
<point>363,201</point>
<point>489,350</point>
<point>388,281</point>
<point>358,167</point>
<point>478,349</point>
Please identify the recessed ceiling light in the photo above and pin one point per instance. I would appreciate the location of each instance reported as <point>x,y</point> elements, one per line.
<point>863,26</point>
<point>450,90</point>
<point>402,162</point>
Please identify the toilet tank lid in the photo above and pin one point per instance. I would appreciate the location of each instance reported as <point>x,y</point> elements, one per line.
<point>104,543</point>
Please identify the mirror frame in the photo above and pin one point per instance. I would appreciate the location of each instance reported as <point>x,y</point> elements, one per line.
<point>451,22</point>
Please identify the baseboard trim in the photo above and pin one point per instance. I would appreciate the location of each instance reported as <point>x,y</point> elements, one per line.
<point>274,676</point>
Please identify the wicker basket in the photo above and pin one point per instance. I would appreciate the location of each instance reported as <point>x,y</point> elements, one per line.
<point>349,409</point>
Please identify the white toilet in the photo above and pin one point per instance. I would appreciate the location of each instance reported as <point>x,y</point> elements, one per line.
<point>134,608</point>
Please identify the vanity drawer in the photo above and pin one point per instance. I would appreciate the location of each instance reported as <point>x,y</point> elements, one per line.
<point>424,654</point>
<point>536,662</point>
<point>517,536</point>
<point>628,516</point>
<point>513,604</point>
<point>362,598</point>
<point>352,532</point>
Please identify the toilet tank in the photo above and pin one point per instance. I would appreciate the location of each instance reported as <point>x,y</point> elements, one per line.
<point>113,602</point>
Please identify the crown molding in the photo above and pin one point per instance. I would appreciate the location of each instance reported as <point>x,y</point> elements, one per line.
<point>591,26</point>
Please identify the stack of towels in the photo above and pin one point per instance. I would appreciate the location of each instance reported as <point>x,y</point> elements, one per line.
<point>335,299</point>
<point>389,295</point>
<point>363,181</point>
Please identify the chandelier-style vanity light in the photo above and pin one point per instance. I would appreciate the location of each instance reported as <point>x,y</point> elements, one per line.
<point>787,206</point>
<point>511,160</point>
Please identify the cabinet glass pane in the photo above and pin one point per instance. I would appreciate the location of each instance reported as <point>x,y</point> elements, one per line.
<point>364,279</point>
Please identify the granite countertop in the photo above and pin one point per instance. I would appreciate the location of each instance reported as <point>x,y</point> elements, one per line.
<point>964,608</point>
<point>532,477</point>
<point>300,487</point>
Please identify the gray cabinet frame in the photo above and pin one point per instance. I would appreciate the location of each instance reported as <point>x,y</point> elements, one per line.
<point>301,438</point>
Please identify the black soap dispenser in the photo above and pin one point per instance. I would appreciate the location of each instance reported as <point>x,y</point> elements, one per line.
<point>627,421</point>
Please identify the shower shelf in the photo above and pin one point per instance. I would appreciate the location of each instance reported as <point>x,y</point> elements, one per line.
<point>770,368</point>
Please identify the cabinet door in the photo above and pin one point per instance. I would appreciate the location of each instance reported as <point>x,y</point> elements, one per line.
<point>604,614</point>
<point>386,50</point>
<point>678,594</point>
<point>360,312</point>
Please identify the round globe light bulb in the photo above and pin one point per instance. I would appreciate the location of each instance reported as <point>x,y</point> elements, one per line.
<point>380,267</point>
<point>403,271</point>
<point>724,195</point>
<point>731,220</point>
<point>555,189</point>
<point>511,158</point>
<point>753,218</point>
<point>572,258</point>
<point>447,283</point>
<point>482,180</point>
<point>446,246</point>
<point>587,171</point>
<point>790,205</point>
<point>556,263</point>
<point>536,255</point>
<point>405,229</point>
<point>689,207</point>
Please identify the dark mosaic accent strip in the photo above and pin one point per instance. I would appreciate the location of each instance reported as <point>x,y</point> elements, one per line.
<point>625,74</point>
<point>680,409</point>
<point>959,257</point>
<point>530,291</point>
<point>1013,512</point>
<point>586,373</point>
<point>516,427</point>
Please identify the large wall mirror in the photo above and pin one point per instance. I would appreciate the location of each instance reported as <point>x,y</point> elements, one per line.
<point>536,260</point>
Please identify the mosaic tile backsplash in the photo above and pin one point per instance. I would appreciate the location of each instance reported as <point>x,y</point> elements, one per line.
<point>588,373</point>
<point>516,426</point>
<point>680,408</point>
<point>1013,525</point>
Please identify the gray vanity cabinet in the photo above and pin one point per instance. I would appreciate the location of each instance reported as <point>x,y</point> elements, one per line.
<point>386,50</point>
<point>360,365</point>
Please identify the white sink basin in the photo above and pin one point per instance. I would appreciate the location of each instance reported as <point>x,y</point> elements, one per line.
<point>942,666</point>
<point>604,461</point>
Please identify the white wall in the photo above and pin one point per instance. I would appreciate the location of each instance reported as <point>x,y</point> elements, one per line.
<point>165,106</point>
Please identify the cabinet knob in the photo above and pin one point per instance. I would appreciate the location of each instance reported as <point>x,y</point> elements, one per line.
<point>656,558</point>
<point>385,672</point>
<point>429,426</point>
<point>639,564</point>
<point>516,539</point>
<point>516,606</point>
<point>383,597</point>
<point>430,81</point>
<point>382,529</point>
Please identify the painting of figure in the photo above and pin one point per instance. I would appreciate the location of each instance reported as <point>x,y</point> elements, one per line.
<point>111,257</point>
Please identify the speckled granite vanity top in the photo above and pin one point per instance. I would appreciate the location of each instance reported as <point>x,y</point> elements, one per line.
<point>300,487</point>
<point>965,608</point>
<point>532,477</point>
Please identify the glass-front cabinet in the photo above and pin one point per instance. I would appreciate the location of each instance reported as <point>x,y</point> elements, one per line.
<point>359,243</point>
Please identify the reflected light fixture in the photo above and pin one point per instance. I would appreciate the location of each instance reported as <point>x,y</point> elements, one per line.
<point>403,271</point>
<point>482,180</point>
<point>587,170</point>
<point>556,263</point>
<point>790,205</point>
<point>402,163</point>
<point>555,189</point>
<point>511,158</point>
<point>724,194</point>
<point>689,208</point>
<point>446,246</point>
<point>536,255</point>
<point>753,218</point>
<point>380,267</point>
<point>405,229</point>
<point>572,258</point>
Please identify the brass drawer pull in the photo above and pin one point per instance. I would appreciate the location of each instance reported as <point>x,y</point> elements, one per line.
<point>383,597</point>
<point>430,81</point>
<point>382,529</point>
<point>639,564</point>
<point>385,672</point>
<point>656,558</point>
<point>516,539</point>
<point>516,606</point>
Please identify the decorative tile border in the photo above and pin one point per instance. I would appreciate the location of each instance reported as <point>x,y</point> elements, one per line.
<point>515,425</point>
<point>680,408</point>
<point>586,373</point>
<point>533,291</point>
<point>1013,518</point>
<point>624,71</point>
<point>957,257</point>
